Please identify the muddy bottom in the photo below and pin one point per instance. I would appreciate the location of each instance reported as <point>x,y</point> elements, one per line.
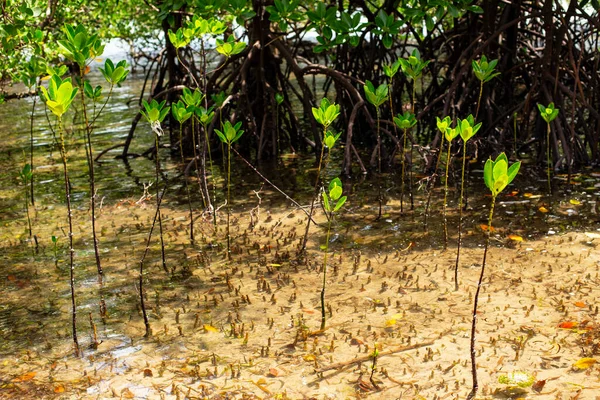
<point>248,328</point>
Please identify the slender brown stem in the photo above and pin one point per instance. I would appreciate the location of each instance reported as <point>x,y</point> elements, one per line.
<point>431,183</point>
<point>316,194</point>
<point>476,302</point>
<point>548,159</point>
<point>187,186</point>
<point>63,156</point>
<point>479,99</point>
<point>31,150</point>
<point>323,315</point>
<point>445,205</point>
<point>158,200</point>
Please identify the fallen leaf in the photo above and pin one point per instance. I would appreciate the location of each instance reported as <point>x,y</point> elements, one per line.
<point>538,386</point>
<point>580,304</point>
<point>485,228</point>
<point>390,322</point>
<point>210,328</point>
<point>59,388</point>
<point>584,363</point>
<point>308,311</point>
<point>273,373</point>
<point>515,238</point>
<point>309,357</point>
<point>127,394</point>
<point>25,377</point>
<point>355,342</point>
<point>532,196</point>
<point>575,202</point>
<point>148,373</point>
<point>543,209</point>
<point>568,325</point>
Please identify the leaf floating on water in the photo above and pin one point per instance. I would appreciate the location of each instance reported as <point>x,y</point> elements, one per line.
<point>575,202</point>
<point>25,377</point>
<point>210,328</point>
<point>532,196</point>
<point>515,238</point>
<point>584,363</point>
<point>543,209</point>
<point>568,325</point>
<point>485,228</point>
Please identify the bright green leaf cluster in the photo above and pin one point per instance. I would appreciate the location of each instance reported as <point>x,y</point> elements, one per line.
<point>467,128</point>
<point>406,120</point>
<point>79,45</point>
<point>443,124</point>
<point>378,96</point>
<point>548,113</point>
<point>484,70</point>
<point>284,11</point>
<point>497,174</point>
<point>413,66</point>
<point>330,139</point>
<point>155,112</point>
<point>334,196</point>
<point>391,70</point>
<point>90,92</point>
<point>59,95</point>
<point>115,74</point>
<point>192,98</point>
<point>387,28</point>
<point>230,133</point>
<point>230,47</point>
<point>181,112</point>
<point>334,30</point>
<point>326,113</point>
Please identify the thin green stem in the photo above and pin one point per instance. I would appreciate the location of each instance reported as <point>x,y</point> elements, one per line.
<point>228,199</point>
<point>212,174</point>
<point>548,159</point>
<point>194,145</point>
<point>460,215</point>
<point>479,99</point>
<point>323,315</point>
<point>316,194</point>
<point>380,194</point>
<point>27,209</point>
<point>475,304</point>
<point>31,148</point>
<point>445,205</point>
<point>403,171</point>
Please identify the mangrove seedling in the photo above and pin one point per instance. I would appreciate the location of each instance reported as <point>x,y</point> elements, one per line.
<point>155,113</point>
<point>467,129</point>
<point>332,202</point>
<point>548,113</point>
<point>413,67</point>
<point>378,97</point>
<point>55,248</point>
<point>442,125</point>
<point>205,116</point>
<point>405,122</point>
<point>58,97</point>
<point>26,174</point>
<point>325,115</point>
<point>497,175</point>
<point>484,71</point>
<point>182,113</point>
<point>449,135</point>
<point>229,135</point>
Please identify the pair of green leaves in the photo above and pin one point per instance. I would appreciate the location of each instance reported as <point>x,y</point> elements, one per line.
<point>80,46</point>
<point>497,174</point>
<point>181,112</point>
<point>387,27</point>
<point>230,133</point>
<point>378,96</point>
<point>391,70</point>
<point>548,113</point>
<point>59,95</point>
<point>405,121</point>
<point>484,70</point>
<point>197,27</point>
<point>330,139</point>
<point>334,196</point>
<point>26,174</point>
<point>326,113</point>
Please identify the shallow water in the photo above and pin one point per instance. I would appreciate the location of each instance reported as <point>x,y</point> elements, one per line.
<point>35,307</point>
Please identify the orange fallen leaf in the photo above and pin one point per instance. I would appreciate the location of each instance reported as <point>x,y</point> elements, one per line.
<point>543,209</point>
<point>568,325</point>
<point>273,373</point>
<point>515,238</point>
<point>25,377</point>
<point>580,304</point>
<point>59,388</point>
<point>308,311</point>
<point>485,228</point>
<point>584,363</point>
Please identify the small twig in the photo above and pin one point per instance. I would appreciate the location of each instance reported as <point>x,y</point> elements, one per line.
<point>370,357</point>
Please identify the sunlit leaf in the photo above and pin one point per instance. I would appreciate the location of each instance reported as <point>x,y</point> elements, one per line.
<point>568,325</point>
<point>25,377</point>
<point>59,388</point>
<point>575,202</point>
<point>210,328</point>
<point>580,304</point>
<point>485,228</point>
<point>515,238</point>
<point>584,363</point>
<point>543,209</point>
<point>309,357</point>
<point>390,322</point>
